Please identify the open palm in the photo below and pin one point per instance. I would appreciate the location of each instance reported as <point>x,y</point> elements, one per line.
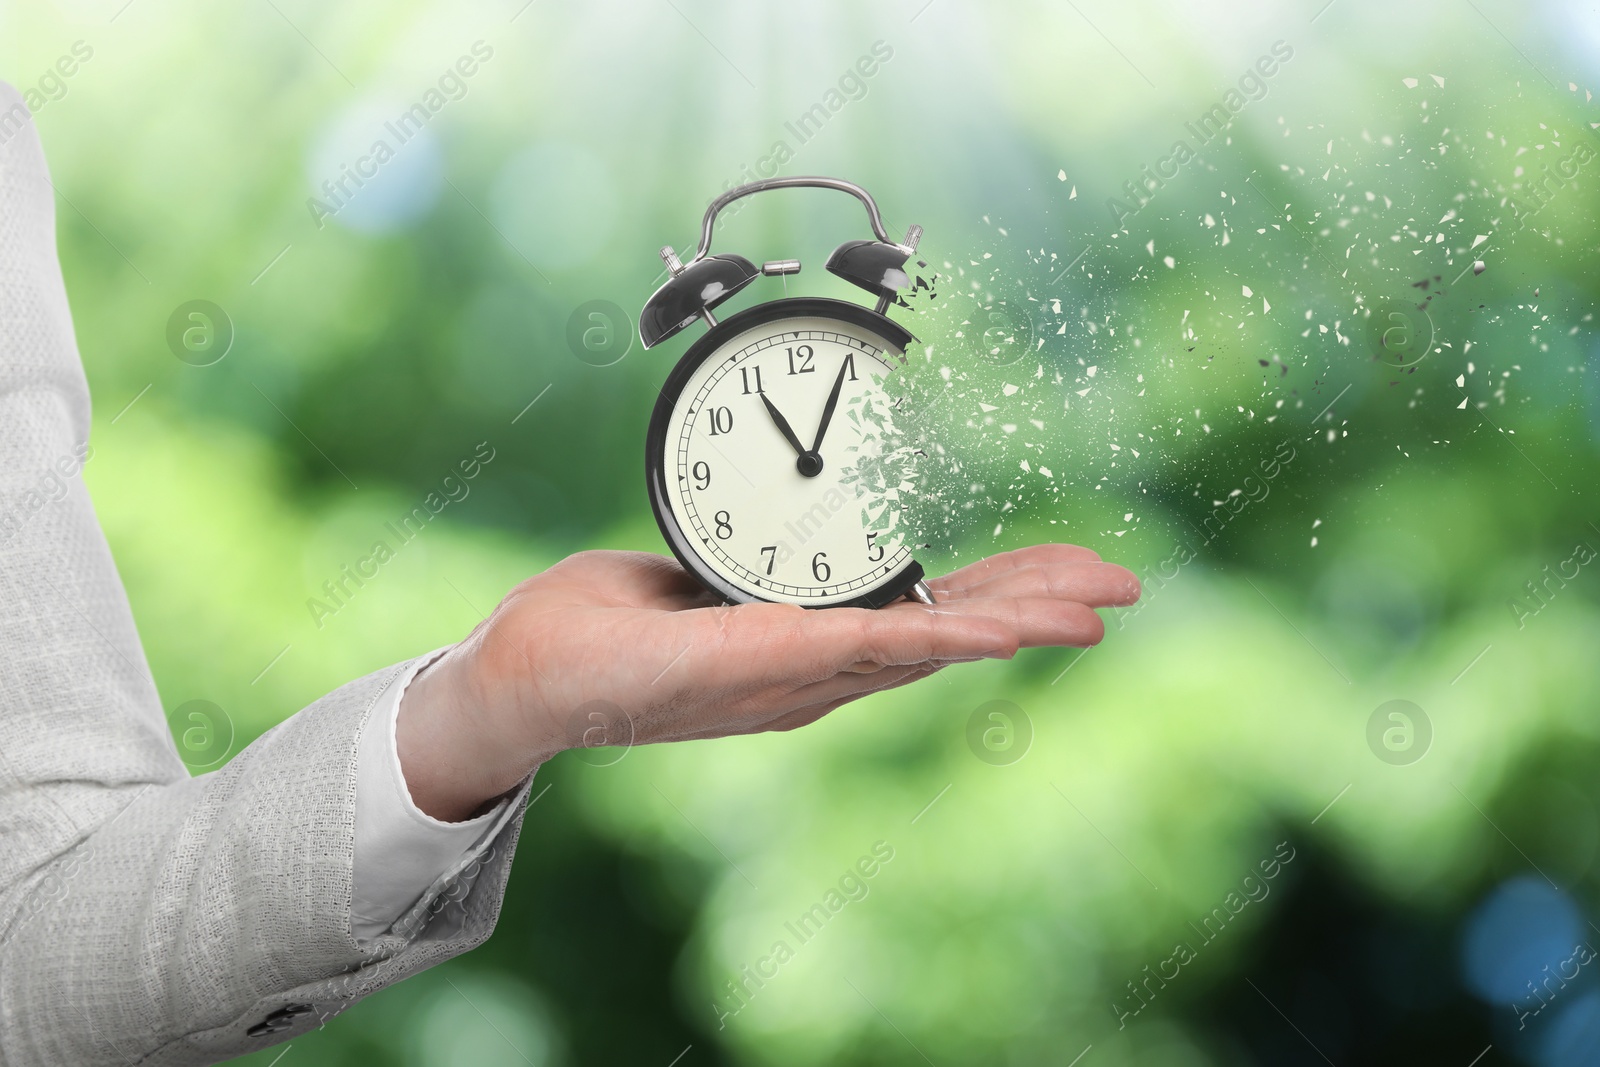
<point>626,648</point>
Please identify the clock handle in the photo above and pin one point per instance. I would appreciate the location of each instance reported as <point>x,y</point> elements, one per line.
<point>803,182</point>
<point>921,593</point>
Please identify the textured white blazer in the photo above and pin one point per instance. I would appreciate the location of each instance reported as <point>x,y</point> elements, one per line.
<point>147,917</point>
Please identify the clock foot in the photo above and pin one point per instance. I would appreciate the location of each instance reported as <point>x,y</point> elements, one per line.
<point>921,593</point>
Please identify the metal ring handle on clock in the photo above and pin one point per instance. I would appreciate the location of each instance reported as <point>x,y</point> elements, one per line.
<point>913,234</point>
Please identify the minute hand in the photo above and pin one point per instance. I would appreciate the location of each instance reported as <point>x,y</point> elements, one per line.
<point>833,402</point>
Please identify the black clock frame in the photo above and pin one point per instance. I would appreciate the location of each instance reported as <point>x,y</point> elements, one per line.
<point>655,441</point>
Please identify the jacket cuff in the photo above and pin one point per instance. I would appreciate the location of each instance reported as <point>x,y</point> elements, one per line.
<point>400,851</point>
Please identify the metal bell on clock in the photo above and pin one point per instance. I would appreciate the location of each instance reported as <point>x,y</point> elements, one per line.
<point>879,267</point>
<point>692,292</point>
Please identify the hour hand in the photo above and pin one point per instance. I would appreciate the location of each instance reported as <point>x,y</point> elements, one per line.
<point>783,425</point>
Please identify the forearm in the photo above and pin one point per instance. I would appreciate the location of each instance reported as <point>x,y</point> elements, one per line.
<point>210,905</point>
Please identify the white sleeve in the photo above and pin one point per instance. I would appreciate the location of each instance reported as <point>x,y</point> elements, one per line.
<point>399,850</point>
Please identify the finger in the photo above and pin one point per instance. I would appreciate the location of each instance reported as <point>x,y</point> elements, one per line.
<point>805,716</point>
<point>1037,621</point>
<point>855,686</point>
<point>1006,561</point>
<point>762,643</point>
<point>753,712</point>
<point>915,634</point>
<point>1099,585</point>
<point>824,697</point>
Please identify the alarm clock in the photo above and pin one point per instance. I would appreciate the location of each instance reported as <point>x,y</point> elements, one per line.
<point>749,445</point>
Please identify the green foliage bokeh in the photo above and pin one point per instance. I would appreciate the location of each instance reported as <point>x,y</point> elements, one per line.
<point>1230,318</point>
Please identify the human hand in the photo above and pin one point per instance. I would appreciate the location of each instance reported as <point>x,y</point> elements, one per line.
<point>636,631</point>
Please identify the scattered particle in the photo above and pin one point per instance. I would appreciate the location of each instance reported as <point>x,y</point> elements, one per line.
<point>1477,266</point>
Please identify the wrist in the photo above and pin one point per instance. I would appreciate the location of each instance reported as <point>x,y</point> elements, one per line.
<point>457,756</point>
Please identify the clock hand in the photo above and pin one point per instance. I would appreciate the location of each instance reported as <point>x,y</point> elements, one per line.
<point>833,402</point>
<point>783,425</point>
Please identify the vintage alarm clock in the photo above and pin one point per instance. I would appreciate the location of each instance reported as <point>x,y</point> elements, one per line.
<point>747,442</point>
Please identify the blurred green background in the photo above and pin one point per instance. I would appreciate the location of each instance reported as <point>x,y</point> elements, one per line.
<point>1324,523</point>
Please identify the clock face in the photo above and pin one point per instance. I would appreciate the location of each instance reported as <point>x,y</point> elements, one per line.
<point>751,453</point>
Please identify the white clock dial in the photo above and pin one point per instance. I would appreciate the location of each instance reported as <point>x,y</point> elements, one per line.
<point>769,514</point>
